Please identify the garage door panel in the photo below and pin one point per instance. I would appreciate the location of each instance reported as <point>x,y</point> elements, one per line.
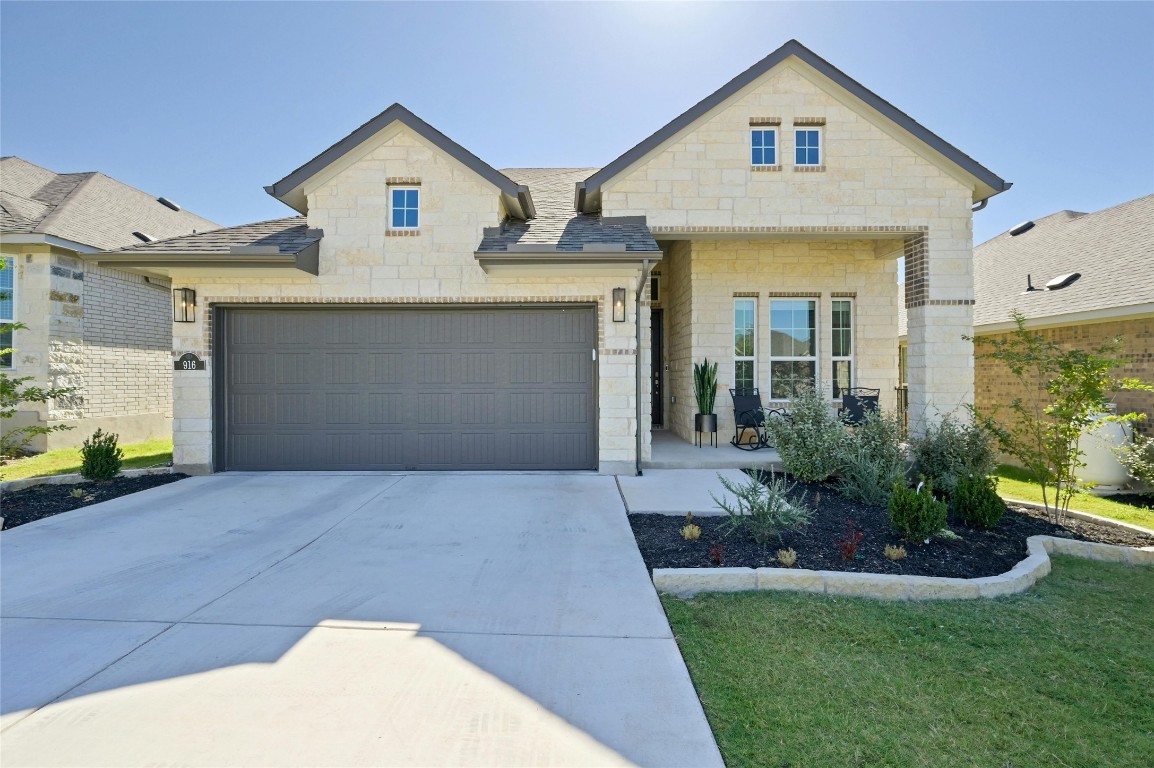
<point>500,388</point>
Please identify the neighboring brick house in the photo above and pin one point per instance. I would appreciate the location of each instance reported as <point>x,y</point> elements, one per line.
<point>427,311</point>
<point>1112,251</point>
<point>105,332</point>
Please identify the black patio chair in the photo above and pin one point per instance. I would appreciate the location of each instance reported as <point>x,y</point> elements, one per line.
<point>748,420</point>
<point>857,401</point>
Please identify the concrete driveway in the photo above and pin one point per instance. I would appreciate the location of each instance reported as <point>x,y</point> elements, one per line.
<point>342,620</point>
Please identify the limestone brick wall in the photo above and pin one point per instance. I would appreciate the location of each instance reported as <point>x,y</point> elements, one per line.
<point>874,178</point>
<point>360,263</point>
<point>994,386</point>
<point>701,322</point>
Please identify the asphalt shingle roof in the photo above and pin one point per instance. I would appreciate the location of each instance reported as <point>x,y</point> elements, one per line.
<point>557,224</point>
<point>290,235</point>
<point>88,208</point>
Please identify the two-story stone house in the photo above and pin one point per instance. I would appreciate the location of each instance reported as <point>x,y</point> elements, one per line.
<point>427,311</point>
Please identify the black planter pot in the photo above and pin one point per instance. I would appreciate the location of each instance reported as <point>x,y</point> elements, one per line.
<point>705,422</point>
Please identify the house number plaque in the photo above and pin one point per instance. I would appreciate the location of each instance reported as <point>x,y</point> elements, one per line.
<point>189,362</point>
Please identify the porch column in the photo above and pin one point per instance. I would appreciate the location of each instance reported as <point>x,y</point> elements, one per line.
<point>939,296</point>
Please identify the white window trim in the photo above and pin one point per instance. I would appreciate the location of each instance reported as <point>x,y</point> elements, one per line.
<point>10,264</point>
<point>815,359</point>
<point>820,145</point>
<point>852,344</point>
<point>776,146</point>
<point>750,358</point>
<point>404,188</point>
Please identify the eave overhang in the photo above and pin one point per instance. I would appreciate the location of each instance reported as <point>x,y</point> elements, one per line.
<point>544,258</point>
<point>247,258</point>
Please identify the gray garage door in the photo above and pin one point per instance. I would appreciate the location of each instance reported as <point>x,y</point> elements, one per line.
<point>406,388</point>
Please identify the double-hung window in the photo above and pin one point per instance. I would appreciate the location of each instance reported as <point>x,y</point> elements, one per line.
<point>792,346</point>
<point>807,146</point>
<point>764,144</point>
<point>7,307</point>
<point>744,343</point>
<point>842,346</point>
<point>405,207</point>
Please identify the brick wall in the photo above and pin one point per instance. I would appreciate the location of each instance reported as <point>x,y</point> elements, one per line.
<point>995,386</point>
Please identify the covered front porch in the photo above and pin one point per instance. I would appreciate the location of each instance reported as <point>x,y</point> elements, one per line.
<point>670,451</point>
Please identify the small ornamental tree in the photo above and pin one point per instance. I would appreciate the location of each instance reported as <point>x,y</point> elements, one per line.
<point>1064,393</point>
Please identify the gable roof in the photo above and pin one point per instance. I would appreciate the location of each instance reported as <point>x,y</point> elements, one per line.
<point>557,227</point>
<point>288,190</point>
<point>1113,249</point>
<point>87,208</point>
<point>589,191</point>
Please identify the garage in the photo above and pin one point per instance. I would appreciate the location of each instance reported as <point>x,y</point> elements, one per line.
<point>405,388</point>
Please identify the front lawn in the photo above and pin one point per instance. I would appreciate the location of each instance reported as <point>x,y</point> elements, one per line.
<point>1060,675</point>
<point>1016,483</point>
<point>66,461</point>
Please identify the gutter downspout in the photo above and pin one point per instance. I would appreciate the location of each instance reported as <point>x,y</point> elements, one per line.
<point>637,364</point>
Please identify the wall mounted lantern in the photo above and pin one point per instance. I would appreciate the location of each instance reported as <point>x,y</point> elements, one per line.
<point>183,305</point>
<point>619,305</point>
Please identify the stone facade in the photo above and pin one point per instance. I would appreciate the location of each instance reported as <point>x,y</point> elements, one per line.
<point>995,387</point>
<point>104,333</point>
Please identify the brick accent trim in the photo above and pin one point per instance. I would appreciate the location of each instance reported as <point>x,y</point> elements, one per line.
<point>809,121</point>
<point>843,295</point>
<point>619,352</point>
<point>408,181</point>
<point>765,121</point>
<point>942,303</point>
<point>765,168</point>
<point>917,285</point>
<point>402,232</point>
<point>918,231</point>
<point>746,294</point>
<point>809,168</point>
<point>794,294</point>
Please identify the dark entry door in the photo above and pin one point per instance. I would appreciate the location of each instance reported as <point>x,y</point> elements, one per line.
<point>657,346</point>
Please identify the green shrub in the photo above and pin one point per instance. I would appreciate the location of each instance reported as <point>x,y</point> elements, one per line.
<point>872,459</point>
<point>763,506</point>
<point>914,513</point>
<point>100,456</point>
<point>950,450</point>
<point>1138,459</point>
<point>811,440</point>
<point>976,502</point>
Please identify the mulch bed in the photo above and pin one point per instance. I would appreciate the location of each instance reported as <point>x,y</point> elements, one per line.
<point>976,554</point>
<point>40,501</point>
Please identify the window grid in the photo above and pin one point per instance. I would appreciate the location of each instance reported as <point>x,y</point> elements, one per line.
<point>807,146</point>
<point>744,343</point>
<point>792,346</point>
<point>764,145</point>
<point>405,207</point>
<point>7,306</point>
<point>841,323</point>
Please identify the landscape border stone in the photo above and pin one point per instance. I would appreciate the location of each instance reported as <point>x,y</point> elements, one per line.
<point>28,482</point>
<point>687,582</point>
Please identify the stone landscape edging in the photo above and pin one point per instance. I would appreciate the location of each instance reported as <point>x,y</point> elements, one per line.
<point>28,482</point>
<point>687,582</point>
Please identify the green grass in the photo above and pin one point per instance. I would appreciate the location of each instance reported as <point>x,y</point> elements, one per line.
<point>1059,676</point>
<point>67,460</point>
<point>1016,483</point>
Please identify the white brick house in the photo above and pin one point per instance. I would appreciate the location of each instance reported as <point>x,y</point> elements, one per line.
<point>428,311</point>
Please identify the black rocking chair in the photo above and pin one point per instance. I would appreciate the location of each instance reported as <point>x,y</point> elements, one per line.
<point>748,420</point>
<point>857,401</point>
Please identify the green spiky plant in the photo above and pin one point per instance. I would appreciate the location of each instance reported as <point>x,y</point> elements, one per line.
<point>705,385</point>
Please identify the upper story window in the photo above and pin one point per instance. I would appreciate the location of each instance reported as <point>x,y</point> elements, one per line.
<point>404,207</point>
<point>764,143</point>
<point>807,146</point>
<point>7,307</point>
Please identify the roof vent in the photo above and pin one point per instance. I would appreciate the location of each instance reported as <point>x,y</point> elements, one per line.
<point>1061,281</point>
<point>143,237</point>
<point>1025,226</point>
<point>168,203</point>
<point>1030,285</point>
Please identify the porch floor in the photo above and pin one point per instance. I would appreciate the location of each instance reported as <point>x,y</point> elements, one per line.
<point>671,452</point>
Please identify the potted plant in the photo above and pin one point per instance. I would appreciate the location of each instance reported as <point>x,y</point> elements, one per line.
<point>705,392</point>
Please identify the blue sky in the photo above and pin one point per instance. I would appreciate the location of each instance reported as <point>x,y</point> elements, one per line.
<point>208,102</point>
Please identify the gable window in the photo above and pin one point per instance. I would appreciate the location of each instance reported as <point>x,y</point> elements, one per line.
<point>792,346</point>
<point>7,307</point>
<point>764,142</point>
<point>404,207</point>
<point>807,146</point>
<point>744,343</point>
<point>842,346</point>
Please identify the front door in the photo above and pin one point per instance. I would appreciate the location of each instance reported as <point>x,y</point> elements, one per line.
<point>657,365</point>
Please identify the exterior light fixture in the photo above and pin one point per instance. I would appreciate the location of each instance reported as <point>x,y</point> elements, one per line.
<point>619,305</point>
<point>183,305</point>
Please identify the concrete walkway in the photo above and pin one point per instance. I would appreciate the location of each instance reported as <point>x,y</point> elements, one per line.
<point>677,491</point>
<point>342,620</point>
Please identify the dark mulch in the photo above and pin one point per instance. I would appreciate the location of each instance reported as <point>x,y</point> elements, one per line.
<point>976,554</point>
<point>1144,500</point>
<point>40,501</point>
